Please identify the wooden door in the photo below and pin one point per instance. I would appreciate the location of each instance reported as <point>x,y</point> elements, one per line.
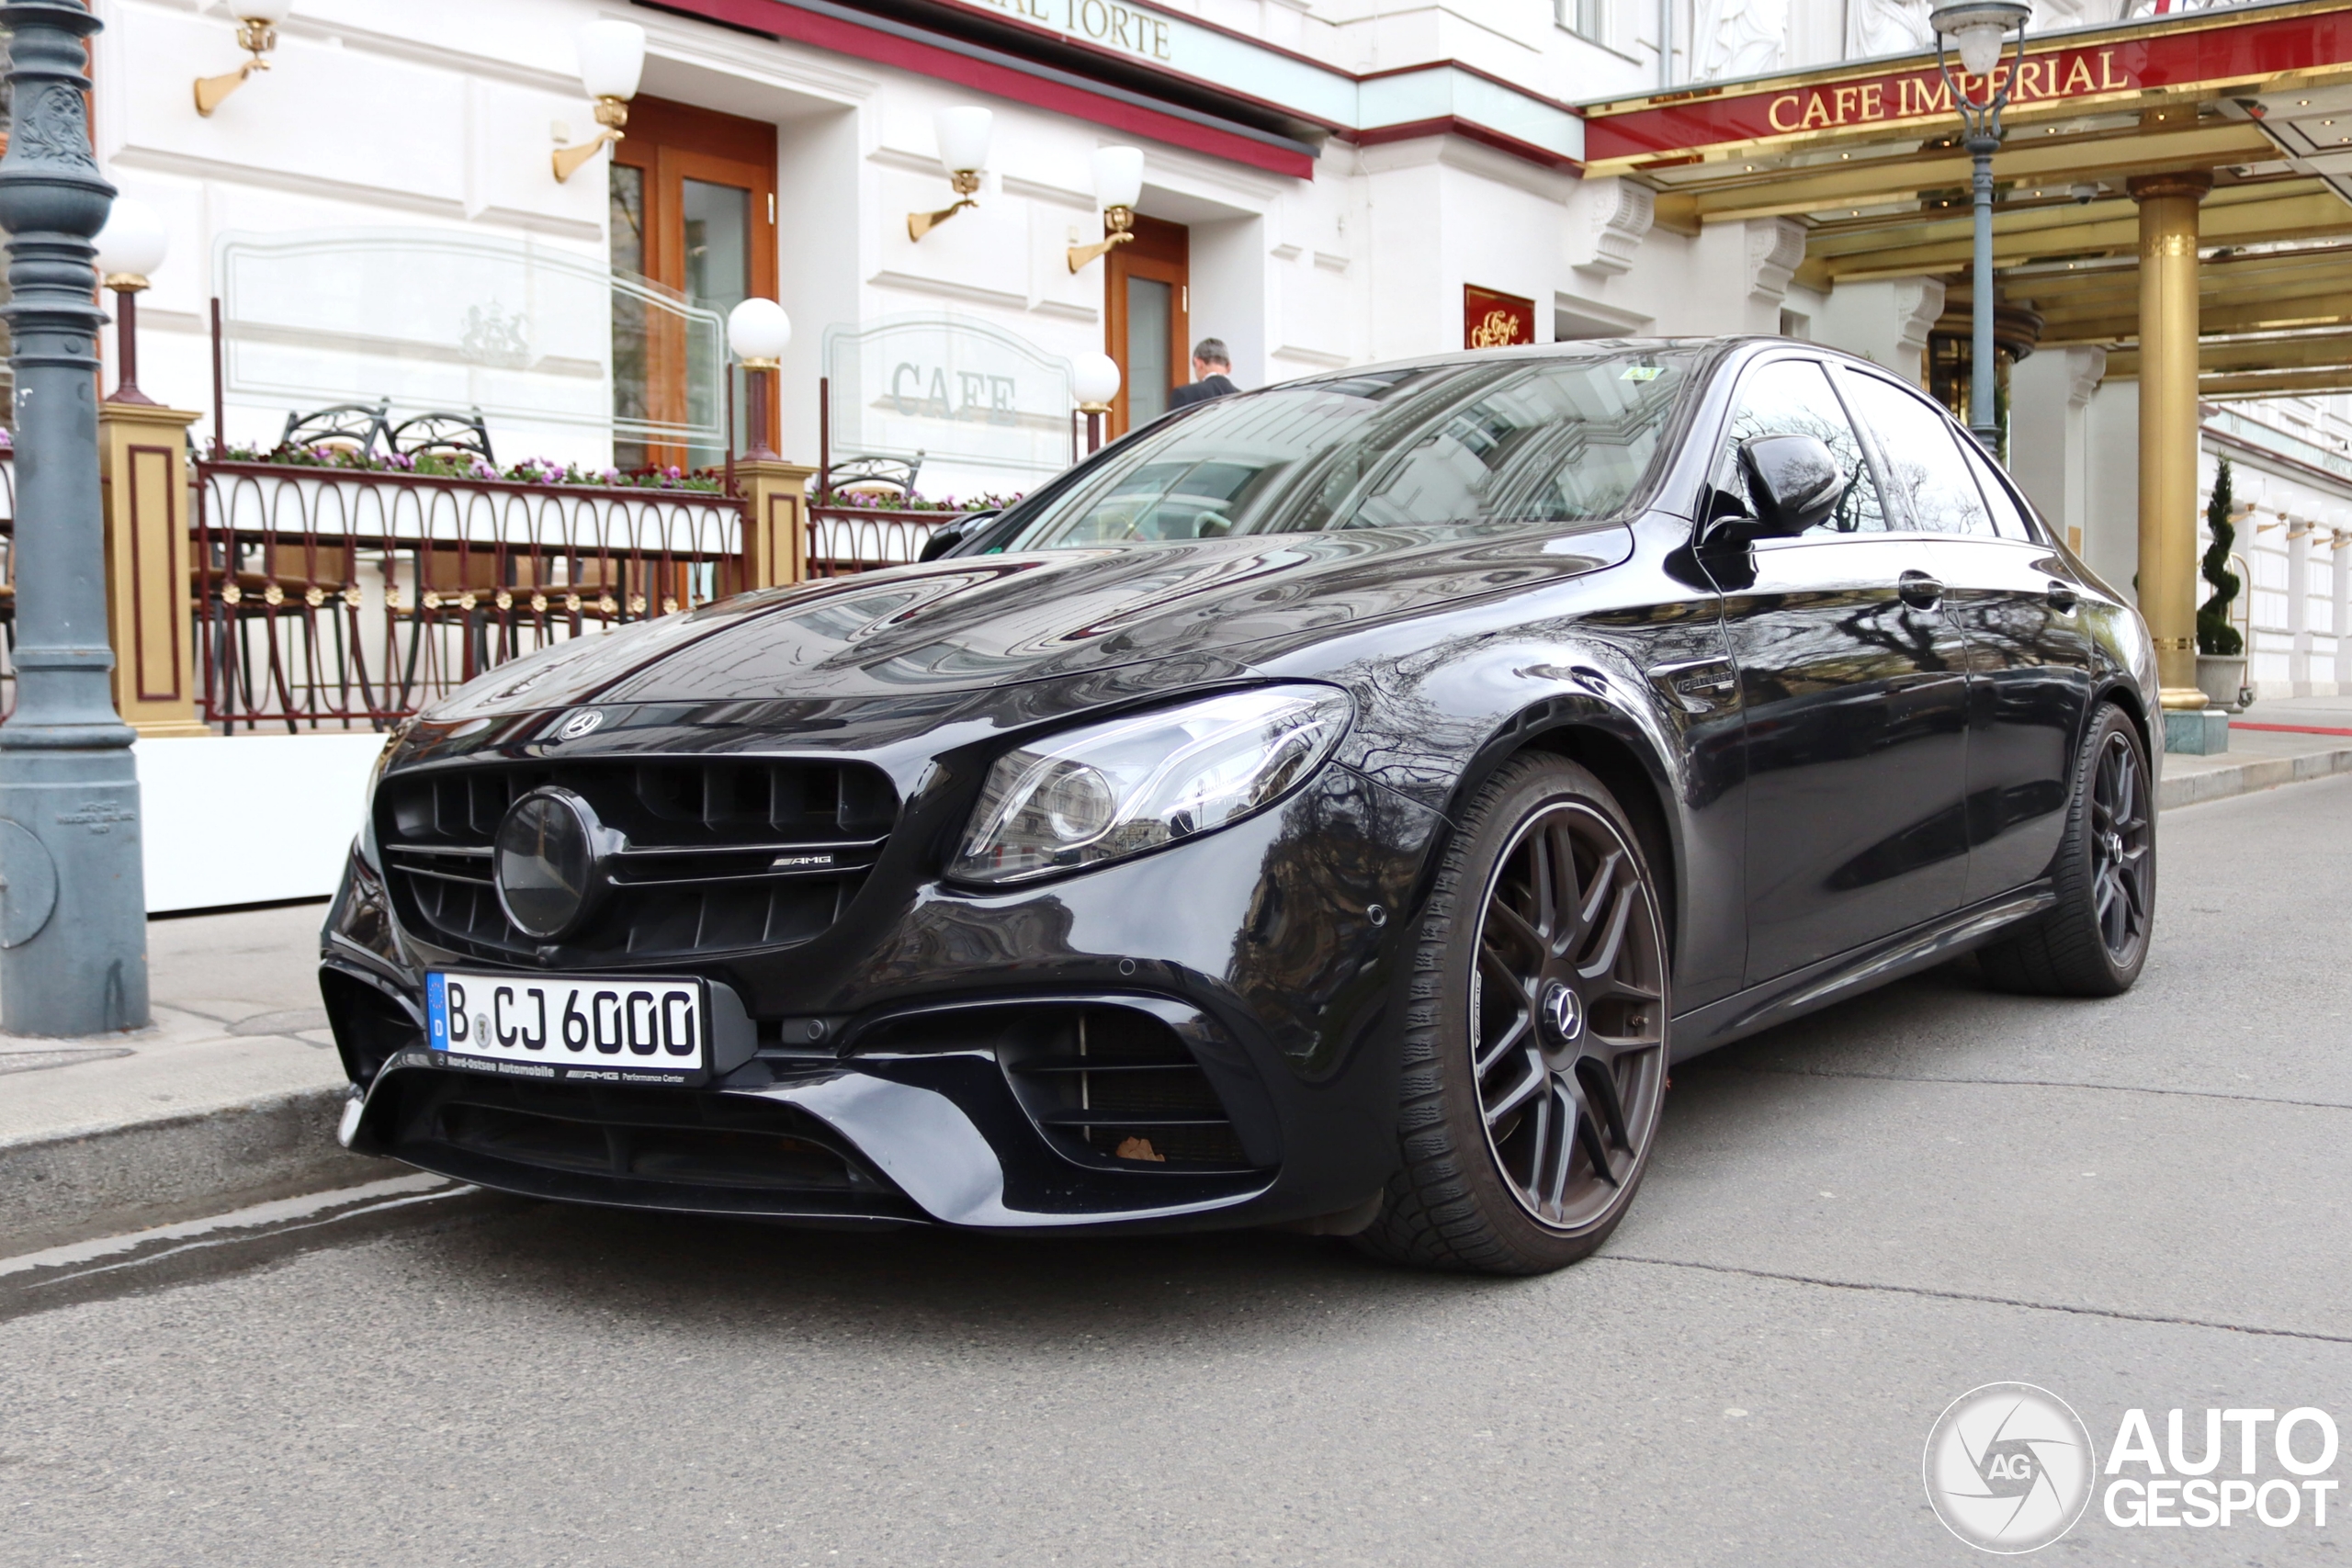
<point>1148,312</point>
<point>692,208</point>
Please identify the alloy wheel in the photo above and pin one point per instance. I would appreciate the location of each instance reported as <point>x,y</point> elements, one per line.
<point>2120,841</point>
<point>1566,1015</point>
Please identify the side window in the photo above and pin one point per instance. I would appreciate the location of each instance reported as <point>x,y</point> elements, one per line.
<point>2009,519</point>
<point>1919,450</point>
<point>1792,397</point>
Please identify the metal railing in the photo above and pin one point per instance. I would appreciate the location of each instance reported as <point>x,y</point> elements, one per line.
<point>346,598</point>
<point>847,540</point>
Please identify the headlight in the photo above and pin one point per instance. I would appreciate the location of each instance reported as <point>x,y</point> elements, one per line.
<point>1117,789</point>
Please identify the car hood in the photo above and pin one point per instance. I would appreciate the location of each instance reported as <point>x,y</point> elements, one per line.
<point>986,621</point>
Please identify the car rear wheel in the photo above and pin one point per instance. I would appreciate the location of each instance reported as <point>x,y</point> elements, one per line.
<point>1534,1054</point>
<point>2093,941</point>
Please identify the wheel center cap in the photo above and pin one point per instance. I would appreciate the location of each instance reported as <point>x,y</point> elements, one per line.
<point>1564,1010</point>
<point>2113,845</point>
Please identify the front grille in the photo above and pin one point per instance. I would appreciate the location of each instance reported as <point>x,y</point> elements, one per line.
<point>1108,1086</point>
<point>719,856</point>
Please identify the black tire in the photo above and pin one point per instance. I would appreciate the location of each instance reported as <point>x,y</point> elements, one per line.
<point>2093,941</point>
<point>1490,1183</point>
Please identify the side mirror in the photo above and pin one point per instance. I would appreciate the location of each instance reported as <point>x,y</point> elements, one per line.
<point>1795,480</point>
<point>946,539</point>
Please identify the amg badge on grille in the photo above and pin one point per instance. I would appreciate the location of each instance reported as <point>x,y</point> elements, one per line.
<point>819,861</point>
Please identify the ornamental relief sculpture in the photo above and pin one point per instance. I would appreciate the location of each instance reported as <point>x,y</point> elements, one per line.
<point>1887,26</point>
<point>1740,38</point>
<point>51,128</point>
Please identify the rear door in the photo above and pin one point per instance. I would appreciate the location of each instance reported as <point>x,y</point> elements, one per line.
<point>1855,700</point>
<point>2029,656</point>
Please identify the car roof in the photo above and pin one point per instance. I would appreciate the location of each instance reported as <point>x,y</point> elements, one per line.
<point>1717,349</point>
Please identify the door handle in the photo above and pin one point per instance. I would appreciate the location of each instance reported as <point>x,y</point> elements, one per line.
<point>2062,596</point>
<point>1919,590</point>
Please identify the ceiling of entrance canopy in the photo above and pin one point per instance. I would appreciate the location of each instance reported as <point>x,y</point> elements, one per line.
<point>1865,155</point>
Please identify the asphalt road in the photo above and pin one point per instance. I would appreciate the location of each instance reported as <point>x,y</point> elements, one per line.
<point>2136,1204</point>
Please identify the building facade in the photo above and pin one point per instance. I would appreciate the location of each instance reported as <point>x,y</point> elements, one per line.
<point>376,219</point>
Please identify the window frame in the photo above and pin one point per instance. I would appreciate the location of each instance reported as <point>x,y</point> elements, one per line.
<point>1827,367</point>
<point>1952,430</point>
<point>1980,463</point>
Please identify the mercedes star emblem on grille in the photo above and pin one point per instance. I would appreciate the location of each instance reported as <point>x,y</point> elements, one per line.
<point>546,862</point>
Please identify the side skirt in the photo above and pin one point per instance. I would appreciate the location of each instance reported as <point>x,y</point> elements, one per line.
<point>1818,985</point>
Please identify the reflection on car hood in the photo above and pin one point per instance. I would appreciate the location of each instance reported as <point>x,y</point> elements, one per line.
<point>987,620</point>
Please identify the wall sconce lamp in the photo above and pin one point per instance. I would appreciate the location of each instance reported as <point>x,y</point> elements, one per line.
<point>963,135</point>
<point>1118,186</point>
<point>759,332</point>
<point>612,57</point>
<point>256,35</point>
<point>131,245</point>
<point>1095,379</point>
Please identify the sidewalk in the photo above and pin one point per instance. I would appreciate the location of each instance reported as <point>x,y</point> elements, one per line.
<point>232,1095</point>
<point>2260,757</point>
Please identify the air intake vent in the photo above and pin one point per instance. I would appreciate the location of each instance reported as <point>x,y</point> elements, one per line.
<point>719,856</point>
<point>1108,1086</point>
<point>610,1145</point>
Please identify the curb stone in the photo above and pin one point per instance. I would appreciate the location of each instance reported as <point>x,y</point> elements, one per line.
<point>2244,778</point>
<point>55,1191</point>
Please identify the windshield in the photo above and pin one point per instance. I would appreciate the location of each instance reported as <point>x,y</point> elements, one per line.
<point>1518,440</point>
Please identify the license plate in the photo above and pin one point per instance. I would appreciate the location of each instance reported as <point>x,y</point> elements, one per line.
<point>578,1027</point>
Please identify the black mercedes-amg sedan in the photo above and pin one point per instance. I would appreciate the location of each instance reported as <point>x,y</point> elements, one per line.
<point>1333,807</point>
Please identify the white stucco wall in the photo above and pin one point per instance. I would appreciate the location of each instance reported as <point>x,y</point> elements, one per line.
<point>249,819</point>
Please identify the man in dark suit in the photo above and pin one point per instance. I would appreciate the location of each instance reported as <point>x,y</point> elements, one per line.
<point>1212,376</point>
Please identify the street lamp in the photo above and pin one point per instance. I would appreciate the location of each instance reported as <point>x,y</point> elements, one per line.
<point>73,901</point>
<point>1979,29</point>
<point>1095,379</point>
<point>759,332</point>
<point>131,245</point>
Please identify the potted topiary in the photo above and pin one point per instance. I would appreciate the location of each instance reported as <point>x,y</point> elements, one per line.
<point>2220,652</point>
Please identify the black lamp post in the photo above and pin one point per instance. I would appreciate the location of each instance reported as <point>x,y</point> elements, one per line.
<point>73,904</point>
<point>1980,29</point>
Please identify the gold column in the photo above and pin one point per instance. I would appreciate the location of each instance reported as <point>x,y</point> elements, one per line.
<point>142,475</point>
<point>2168,423</point>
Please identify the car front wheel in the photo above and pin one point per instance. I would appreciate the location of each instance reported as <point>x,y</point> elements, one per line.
<point>1535,1056</point>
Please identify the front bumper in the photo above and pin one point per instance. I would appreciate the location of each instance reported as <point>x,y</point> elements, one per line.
<point>913,1065</point>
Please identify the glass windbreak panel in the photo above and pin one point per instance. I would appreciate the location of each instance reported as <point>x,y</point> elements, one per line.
<point>1147,368</point>
<point>1792,397</point>
<point>1558,441</point>
<point>718,277</point>
<point>632,367</point>
<point>516,326</point>
<point>1920,449</point>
